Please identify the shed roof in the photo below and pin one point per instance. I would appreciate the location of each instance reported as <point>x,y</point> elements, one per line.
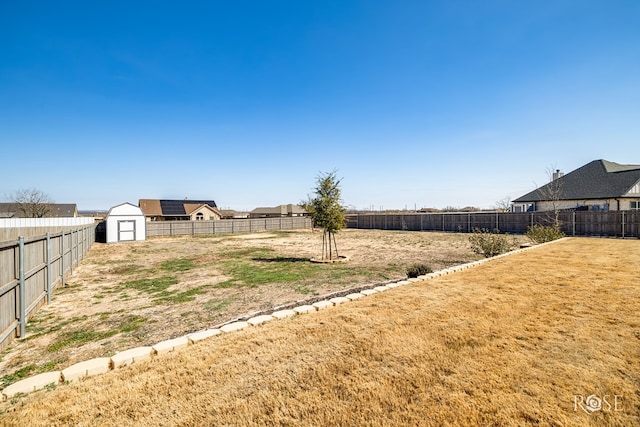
<point>125,208</point>
<point>599,179</point>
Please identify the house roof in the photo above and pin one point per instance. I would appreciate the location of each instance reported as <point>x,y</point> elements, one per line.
<point>63,210</point>
<point>599,179</point>
<point>150,207</point>
<point>280,210</point>
<point>59,210</point>
<point>153,207</point>
<point>190,208</point>
<point>232,213</point>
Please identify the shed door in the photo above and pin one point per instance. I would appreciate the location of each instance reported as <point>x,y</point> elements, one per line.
<point>126,231</point>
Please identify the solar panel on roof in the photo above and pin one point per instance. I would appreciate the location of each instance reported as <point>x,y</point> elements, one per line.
<point>176,207</point>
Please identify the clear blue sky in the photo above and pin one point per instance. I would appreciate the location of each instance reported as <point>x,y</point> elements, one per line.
<point>414,103</point>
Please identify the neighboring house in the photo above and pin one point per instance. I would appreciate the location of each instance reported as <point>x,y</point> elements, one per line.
<point>98,216</point>
<point>231,214</point>
<point>597,186</point>
<point>179,210</point>
<point>278,212</point>
<point>54,210</point>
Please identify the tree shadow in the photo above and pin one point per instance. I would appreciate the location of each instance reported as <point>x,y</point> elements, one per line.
<point>281,259</point>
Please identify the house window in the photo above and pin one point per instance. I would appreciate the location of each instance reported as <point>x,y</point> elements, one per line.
<point>199,216</point>
<point>635,205</point>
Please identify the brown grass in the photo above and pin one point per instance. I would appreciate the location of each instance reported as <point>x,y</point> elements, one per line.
<point>97,315</point>
<point>508,343</point>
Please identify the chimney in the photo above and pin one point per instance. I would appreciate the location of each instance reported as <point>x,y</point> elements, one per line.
<point>557,174</point>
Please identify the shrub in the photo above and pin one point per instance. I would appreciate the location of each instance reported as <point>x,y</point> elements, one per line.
<point>541,234</point>
<point>418,270</point>
<point>489,243</point>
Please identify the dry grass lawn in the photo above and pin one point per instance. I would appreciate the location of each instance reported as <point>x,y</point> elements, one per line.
<point>511,342</point>
<point>139,293</point>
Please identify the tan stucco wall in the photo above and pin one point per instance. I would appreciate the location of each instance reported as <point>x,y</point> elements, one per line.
<point>208,214</point>
<point>571,204</point>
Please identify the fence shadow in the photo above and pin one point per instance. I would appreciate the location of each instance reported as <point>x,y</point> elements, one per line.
<point>281,259</point>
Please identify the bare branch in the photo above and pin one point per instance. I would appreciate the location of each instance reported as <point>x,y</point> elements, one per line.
<point>32,203</point>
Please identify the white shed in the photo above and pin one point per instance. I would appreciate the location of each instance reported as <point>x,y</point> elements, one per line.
<point>125,223</point>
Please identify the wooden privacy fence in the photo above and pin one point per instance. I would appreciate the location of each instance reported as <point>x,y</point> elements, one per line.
<point>30,269</point>
<point>182,228</point>
<point>582,223</point>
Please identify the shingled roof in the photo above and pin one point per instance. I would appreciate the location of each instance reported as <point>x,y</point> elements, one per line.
<point>54,210</point>
<point>154,207</point>
<point>599,179</point>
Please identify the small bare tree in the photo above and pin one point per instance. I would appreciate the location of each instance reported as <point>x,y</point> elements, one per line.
<point>503,205</point>
<point>32,203</point>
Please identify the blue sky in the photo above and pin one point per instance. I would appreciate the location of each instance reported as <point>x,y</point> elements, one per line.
<point>413,103</point>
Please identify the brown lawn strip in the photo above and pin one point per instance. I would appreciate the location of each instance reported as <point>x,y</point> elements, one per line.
<point>511,342</point>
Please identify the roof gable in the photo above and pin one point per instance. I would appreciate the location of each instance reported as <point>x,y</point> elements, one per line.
<point>194,209</point>
<point>599,179</point>
<point>634,191</point>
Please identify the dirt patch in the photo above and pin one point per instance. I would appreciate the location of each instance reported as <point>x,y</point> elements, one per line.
<point>127,295</point>
<point>515,341</point>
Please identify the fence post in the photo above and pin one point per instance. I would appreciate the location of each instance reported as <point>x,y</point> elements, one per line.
<point>77,247</point>
<point>622,224</point>
<point>573,218</point>
<point>22,309</point>
<point>62,260</point>
<point>71,252</point>
<point>48,268</point>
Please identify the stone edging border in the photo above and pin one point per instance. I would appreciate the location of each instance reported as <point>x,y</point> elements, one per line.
<point>124,358</point>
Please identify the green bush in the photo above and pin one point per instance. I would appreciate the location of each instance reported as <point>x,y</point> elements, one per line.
<point>418,270</point>
<point>541,234</point>
<point>489,243</point>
